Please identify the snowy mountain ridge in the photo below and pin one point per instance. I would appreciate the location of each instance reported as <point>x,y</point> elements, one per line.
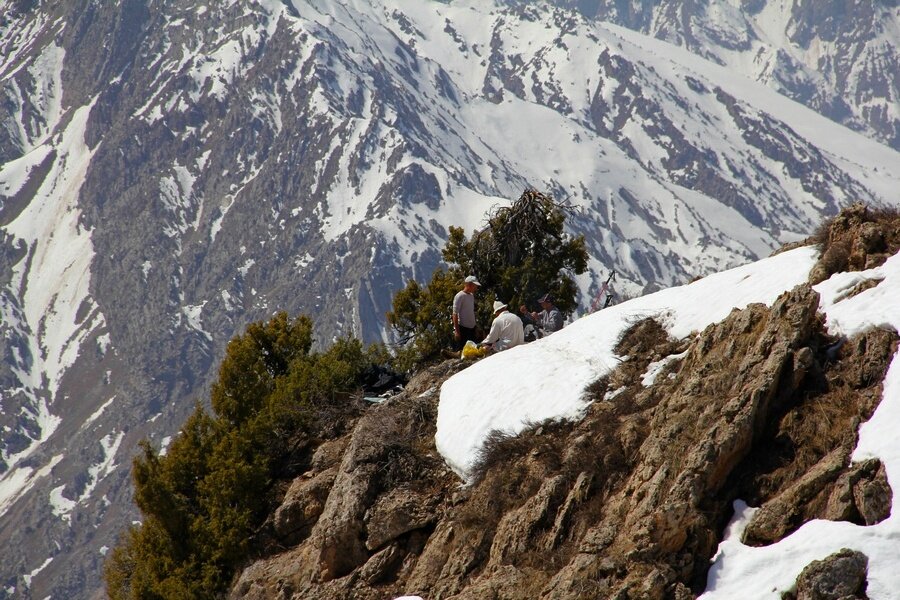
<point>835,58</point>
<point>168,176</point>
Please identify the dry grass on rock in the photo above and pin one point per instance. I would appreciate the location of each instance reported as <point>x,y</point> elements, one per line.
<point>858,238</point>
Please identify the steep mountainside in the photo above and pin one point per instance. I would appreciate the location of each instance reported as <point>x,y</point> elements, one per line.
<point>630,498</point>
<point>172,171</point>
<point>838,58</point>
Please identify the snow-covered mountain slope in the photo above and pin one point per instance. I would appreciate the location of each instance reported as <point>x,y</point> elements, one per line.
<point>838,58</point>
<point>546,380</point>
<point>168,174</point>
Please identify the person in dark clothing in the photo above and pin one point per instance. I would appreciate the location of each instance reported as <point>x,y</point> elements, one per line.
<point>550,319</point>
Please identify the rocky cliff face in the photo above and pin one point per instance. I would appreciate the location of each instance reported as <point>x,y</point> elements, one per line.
<point>631,501</point>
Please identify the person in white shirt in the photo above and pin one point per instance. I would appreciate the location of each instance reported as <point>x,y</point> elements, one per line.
<point>506,330</point>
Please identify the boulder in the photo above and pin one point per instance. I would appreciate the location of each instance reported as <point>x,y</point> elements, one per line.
<point>397,512</point>
<point>302,505</point>
<point>841,576</point>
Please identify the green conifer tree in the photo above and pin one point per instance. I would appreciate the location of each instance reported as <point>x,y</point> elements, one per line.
<point>521,254</point>
<point>203,501</point>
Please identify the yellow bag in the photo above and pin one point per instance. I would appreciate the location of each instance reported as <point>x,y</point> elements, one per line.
<point>470,350</point>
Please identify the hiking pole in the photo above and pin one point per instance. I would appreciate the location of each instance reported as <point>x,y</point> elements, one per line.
<point>595,305</point>
<point>609,294</point>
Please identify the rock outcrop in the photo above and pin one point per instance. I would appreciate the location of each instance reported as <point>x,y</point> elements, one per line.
<point>841,576</point>
<point>629,502</point>
<point>632,500</point>
<point>858,238</point>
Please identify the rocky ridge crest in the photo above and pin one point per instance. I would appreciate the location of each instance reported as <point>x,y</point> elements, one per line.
<point>629,502</point>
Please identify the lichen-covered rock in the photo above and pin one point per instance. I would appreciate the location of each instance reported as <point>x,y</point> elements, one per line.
<point>861,495</point>
<point>302,506</point>
<point>396,512</point>
<point>872,493</point>
<point>841,576</point>
<point>857,238</point>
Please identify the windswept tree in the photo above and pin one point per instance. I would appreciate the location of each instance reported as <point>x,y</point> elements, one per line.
<point>522,253</point>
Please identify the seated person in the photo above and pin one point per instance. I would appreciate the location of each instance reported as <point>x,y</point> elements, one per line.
<point>549,319</point>
<point>506,330</point>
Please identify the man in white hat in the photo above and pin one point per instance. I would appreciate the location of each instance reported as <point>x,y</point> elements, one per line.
<point>464,312</point>
<point>506,330</point>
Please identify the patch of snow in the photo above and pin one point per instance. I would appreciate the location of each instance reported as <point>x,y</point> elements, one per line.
<point>193,315</point>
<point>55,277</point>
<point>30,576</point>
<point>228,300</point>
<point>18,481</point>
<point>103,342</point>
<point>96,414</point>
<point>60,505</point>
<point>15,173</point>
<point>655,368</point>
<point>47,96</point>
<point>110,444</point>
<point>245,268</point>
<point>509,390</point>
<point>611,395</point>
<point>216,226</point>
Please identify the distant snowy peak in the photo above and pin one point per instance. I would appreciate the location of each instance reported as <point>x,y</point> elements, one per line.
<point>838,58</point>
<point>493,98</point>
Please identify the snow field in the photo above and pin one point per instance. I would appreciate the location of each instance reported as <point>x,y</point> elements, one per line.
<point>546,379</point>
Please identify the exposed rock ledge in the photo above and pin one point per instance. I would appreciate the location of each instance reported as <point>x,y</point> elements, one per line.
<point>628,503</point>
<point>631,501</point>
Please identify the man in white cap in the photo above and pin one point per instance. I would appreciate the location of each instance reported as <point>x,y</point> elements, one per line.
<point>506,330</point>
<point>464,313</point>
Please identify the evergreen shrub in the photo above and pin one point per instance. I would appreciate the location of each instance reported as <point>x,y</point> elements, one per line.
<point>203,501</point>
